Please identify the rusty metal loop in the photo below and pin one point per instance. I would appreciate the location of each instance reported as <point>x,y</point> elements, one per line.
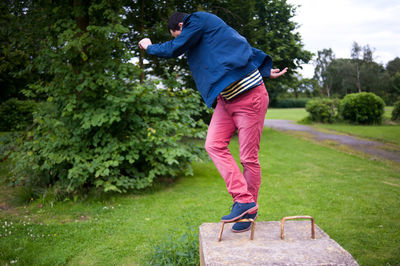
<point>298,217</point>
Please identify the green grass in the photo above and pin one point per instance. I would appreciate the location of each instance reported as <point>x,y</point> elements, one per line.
<point>384,133</point>
<point>389,133</point>
<point>388,112</point>
<point>354,200</point>
<point>294,114</point>
<point>297,114</point>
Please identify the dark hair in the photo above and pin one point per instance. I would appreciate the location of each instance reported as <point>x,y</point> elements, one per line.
<point>174,20</point>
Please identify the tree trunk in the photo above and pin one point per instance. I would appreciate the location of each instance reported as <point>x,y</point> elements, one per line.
<point>82,22</point>
<point>141,31</point>
<point>328,91</point>
<point>358,77</point>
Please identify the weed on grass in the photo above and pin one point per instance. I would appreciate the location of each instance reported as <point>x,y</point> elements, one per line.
<point>176,249</point>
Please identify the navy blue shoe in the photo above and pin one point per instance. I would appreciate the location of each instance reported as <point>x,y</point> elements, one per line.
<point>239,210</point>
<point>244,226</point>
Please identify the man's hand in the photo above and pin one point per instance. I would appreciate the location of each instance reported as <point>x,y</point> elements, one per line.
<point>144,43</point>
<point>276,73</point>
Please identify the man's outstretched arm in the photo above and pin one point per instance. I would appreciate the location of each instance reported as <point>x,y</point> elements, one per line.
<point>276,73</point>
<point>191,34</point>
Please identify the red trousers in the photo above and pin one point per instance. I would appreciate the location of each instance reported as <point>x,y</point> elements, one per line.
<point>246,114</point>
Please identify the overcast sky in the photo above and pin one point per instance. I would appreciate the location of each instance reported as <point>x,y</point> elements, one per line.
<point>337,24</point>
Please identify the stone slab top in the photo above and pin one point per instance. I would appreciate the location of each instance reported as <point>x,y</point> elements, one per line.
<point>267,247</point>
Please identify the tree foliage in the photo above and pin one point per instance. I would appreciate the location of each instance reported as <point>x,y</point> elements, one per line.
<point>338,77</point>
<point>16,114</point>
<point>267,25</point>
<point>16,51</point>
<point>104,122</point>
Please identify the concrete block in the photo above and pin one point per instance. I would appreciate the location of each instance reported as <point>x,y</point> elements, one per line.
<point>268,248</point>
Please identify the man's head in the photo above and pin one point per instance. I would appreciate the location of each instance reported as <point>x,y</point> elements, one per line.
<point>175,23</point>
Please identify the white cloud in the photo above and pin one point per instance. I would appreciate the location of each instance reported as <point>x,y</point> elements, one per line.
<point>337,24</point>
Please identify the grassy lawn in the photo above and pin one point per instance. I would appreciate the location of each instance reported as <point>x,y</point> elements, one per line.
<point>389,133</point>
<point>294,114</point>
<point>297,114</point>
<point>384,133</point>
<point>388,112</point>
<point>354,200</point>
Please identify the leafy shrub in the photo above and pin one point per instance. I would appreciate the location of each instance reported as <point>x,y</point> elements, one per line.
<point>16,114</point>
<point>101,127</point>
<point>362,108</point>
<point>118,144</point>
<point>396,111</point>
<point>8,141</point>
<point>322,110</point>
<point>291,103</point>
<point>176,251</point>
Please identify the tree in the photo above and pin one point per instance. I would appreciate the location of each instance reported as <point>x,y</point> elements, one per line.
<point>308,87</point>
<point>355,55</point>
<point>367,54</point>
<point>359,61</point>
<point>341,71</point>
<point>343,76</point>
<point>393,66</point>
<point>255,19</point>
<point>275,34</point>
<point>395,87</point>
<point>392,80</point>
<point>371,77</point>
<point>19,43</point>
<point>149,19</point>
<point>321,73</point>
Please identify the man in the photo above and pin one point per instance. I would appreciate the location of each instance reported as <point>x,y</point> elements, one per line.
<point>228,70</point>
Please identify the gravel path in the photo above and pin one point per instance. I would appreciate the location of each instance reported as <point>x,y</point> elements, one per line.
<point>367,146</point>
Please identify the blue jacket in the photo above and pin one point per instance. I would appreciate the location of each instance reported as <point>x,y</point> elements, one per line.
<point>217,54</point>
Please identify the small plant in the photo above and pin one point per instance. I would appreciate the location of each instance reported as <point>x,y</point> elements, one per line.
<point>174,250</point>
<point>322,110</point>
<point>396,111</point>
<point>362,108</point>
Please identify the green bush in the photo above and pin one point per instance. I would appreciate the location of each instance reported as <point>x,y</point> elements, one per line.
<point>396,111</point>
<point>16,114</point>
<point>322,110</point>
<point>120,143</point>
<point>291,103</point>
<point>8,141</point>
<point>101,127</point>
<point>362,108</point>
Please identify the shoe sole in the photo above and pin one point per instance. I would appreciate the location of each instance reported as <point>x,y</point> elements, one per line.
<point>244,230</point>
<point>241,231</point>
<point>241,215</point>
